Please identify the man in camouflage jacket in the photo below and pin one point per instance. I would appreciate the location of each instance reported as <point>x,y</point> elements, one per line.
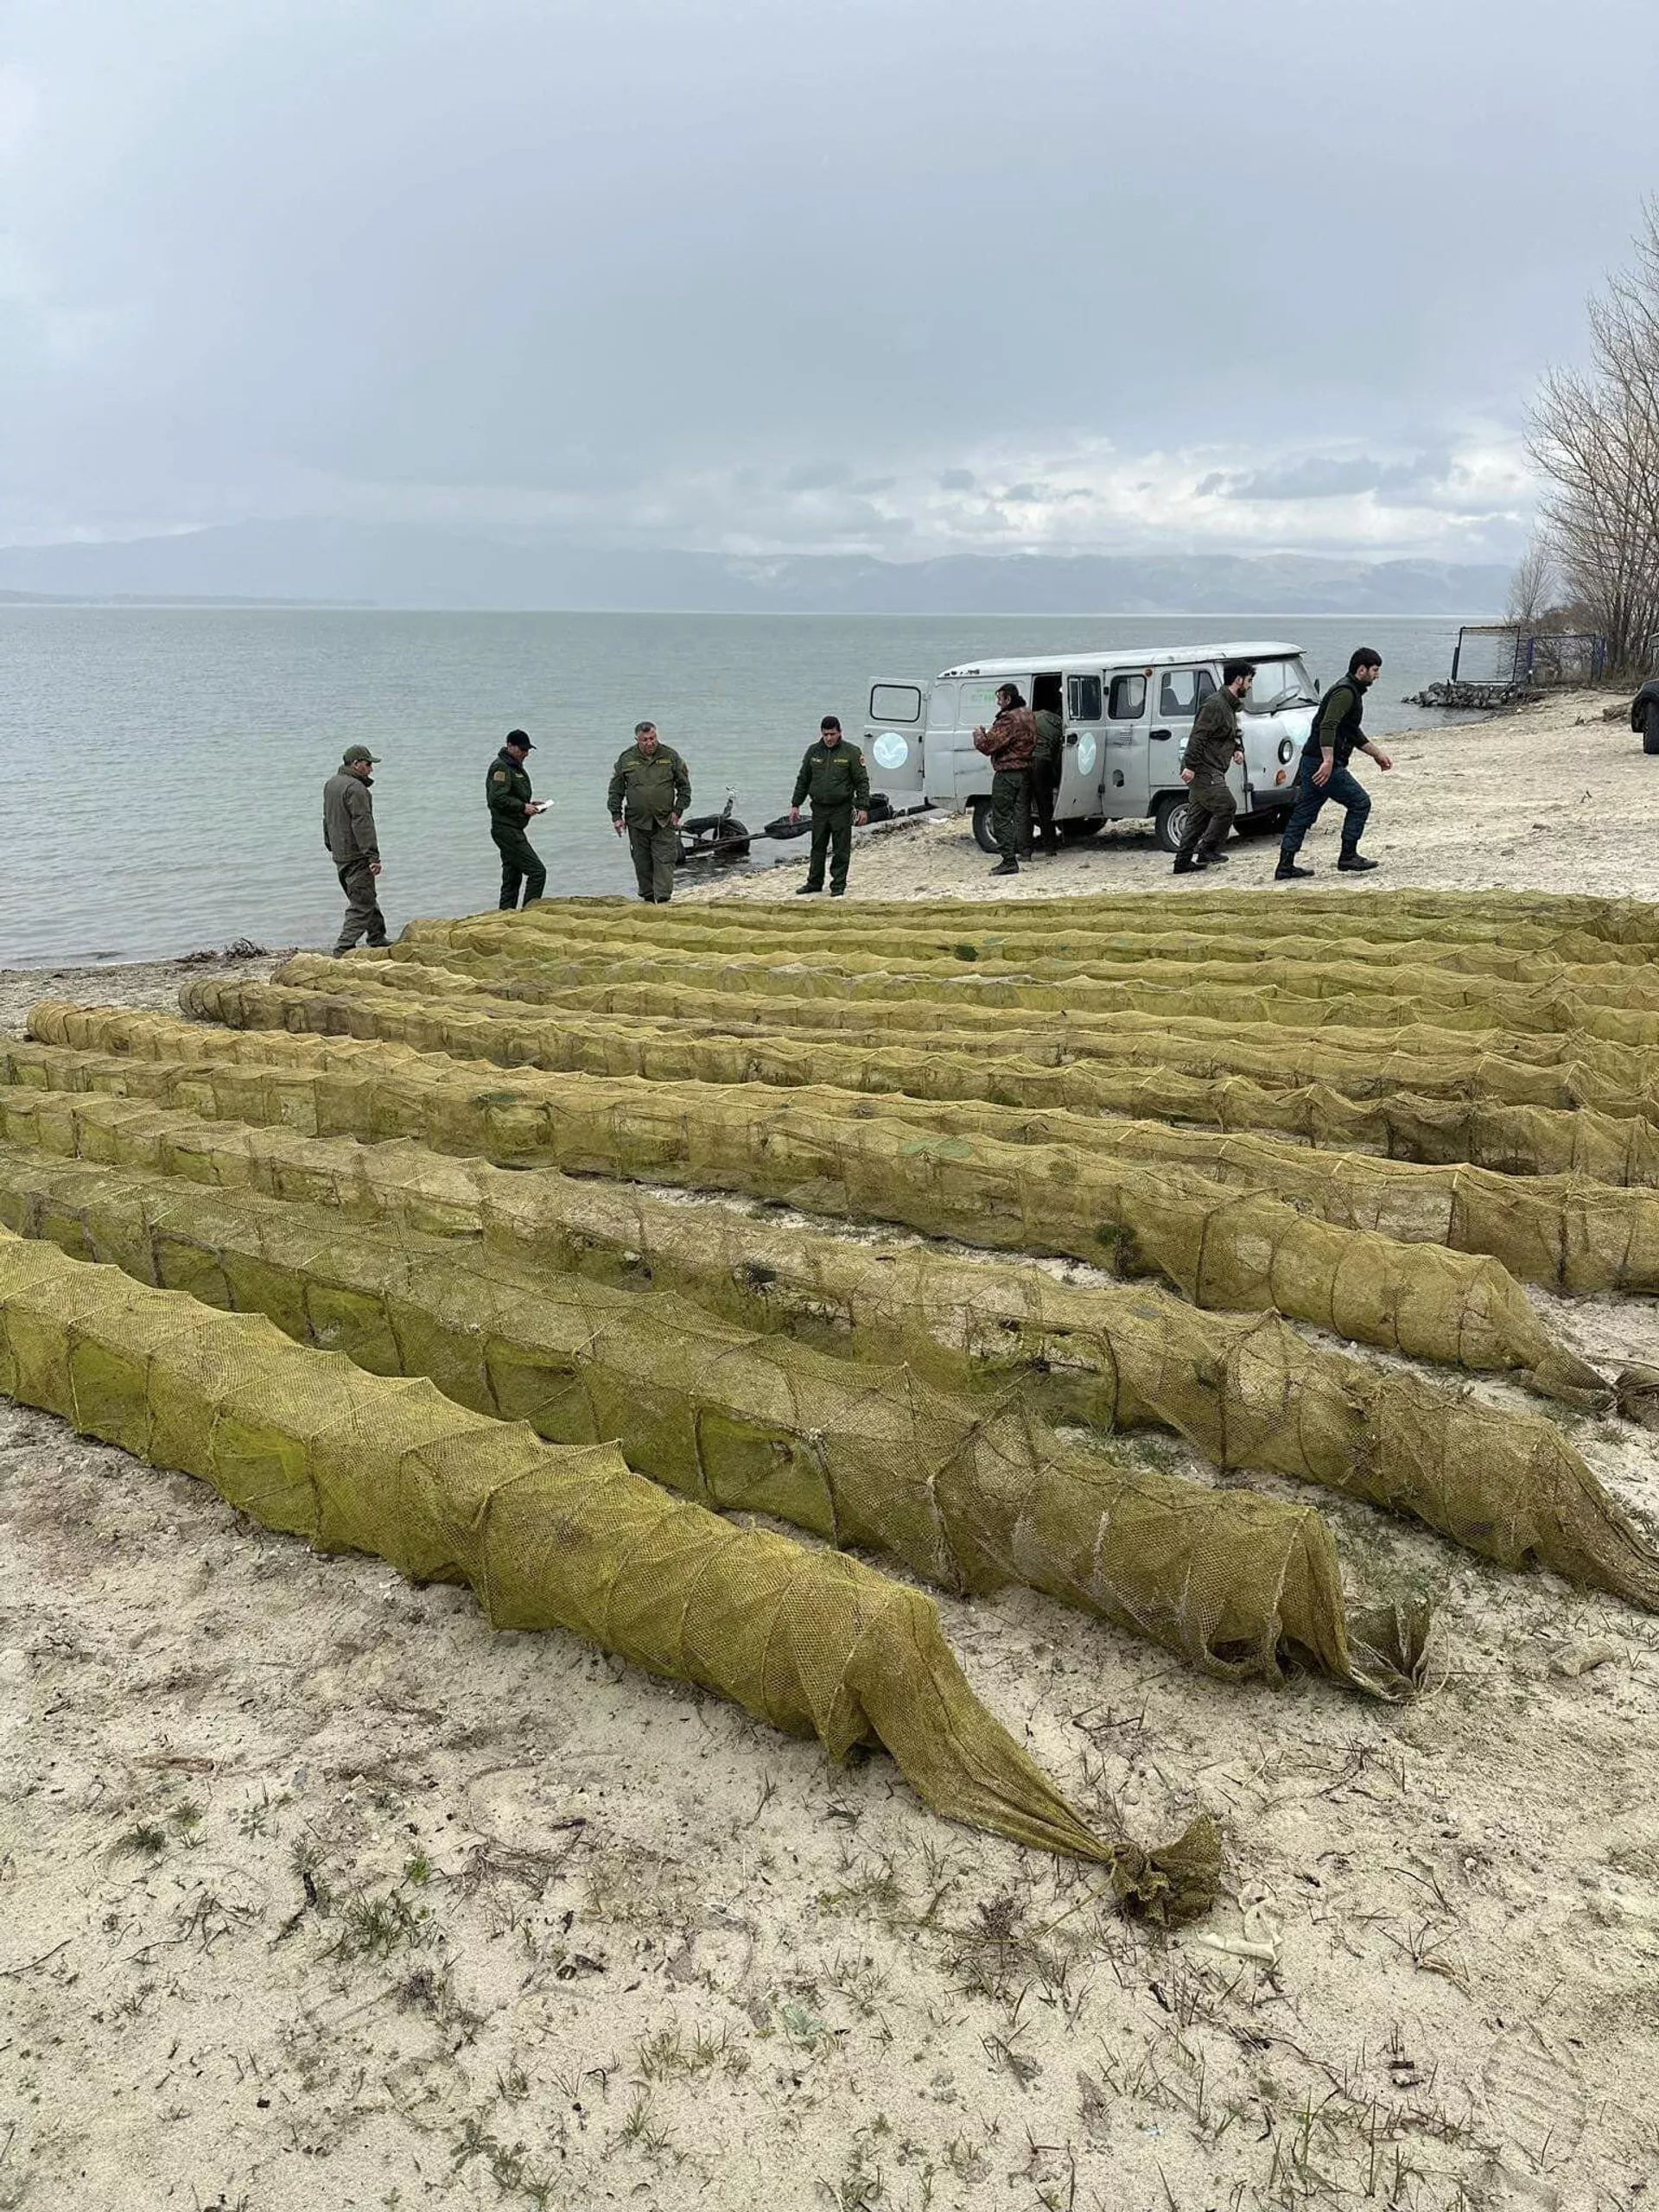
<point>1008,744</point>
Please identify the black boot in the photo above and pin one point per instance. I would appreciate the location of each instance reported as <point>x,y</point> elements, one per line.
<point>1187,864</point>
<point>1287,868</point>
<point>1356,863</point>
<point>807,890</point>
<point>1006,868</point>
<point>1216,858</point>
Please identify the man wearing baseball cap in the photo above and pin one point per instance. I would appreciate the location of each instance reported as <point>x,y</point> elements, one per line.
<point>506,791</point>
<point>349,835</point>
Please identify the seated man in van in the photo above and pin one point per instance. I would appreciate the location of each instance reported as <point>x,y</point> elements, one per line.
<point>1210,752</point>
<point>1008,745</point>
<point>1046,760</point>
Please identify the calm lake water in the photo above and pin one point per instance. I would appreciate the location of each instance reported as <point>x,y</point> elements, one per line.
<point>163,767</point>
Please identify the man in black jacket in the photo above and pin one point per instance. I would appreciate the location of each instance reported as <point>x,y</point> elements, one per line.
<point>1644,714</point>
<point>508,796</point>
<point>1335,738</point>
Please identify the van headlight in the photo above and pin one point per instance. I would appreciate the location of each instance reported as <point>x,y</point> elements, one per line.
<point>1285,748</point>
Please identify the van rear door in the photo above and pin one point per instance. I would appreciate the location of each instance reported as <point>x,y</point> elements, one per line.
<point>894,741</point>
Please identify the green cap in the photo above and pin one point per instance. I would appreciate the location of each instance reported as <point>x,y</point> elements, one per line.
<point>353,754</point>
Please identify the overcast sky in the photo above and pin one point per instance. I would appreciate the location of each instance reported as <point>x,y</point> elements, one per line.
<point>903,276</point>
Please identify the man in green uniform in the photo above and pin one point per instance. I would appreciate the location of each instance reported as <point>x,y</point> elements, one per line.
<point>506,788</point>
<point>349,835</point>
<point>1008,744</point>
<point>650,788</point>
<point>833,776</point>
<point>1211,749</point>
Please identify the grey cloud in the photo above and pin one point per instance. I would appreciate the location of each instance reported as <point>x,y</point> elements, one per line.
<point>1428,480</point>
<point>1312,478</point>
<point>288,256</point>
<point>818,476</point>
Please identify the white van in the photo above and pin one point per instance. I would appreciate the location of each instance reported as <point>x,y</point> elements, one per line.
<point>1128,716</point>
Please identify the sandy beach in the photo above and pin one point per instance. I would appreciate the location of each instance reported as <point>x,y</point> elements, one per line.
<point>315,1892</point>
<point>1552,797</point>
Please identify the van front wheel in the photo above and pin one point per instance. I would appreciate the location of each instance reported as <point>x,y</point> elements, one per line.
<point>982,837</point>
<point>1169,821</point>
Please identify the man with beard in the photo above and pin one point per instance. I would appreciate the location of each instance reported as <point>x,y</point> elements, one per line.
<point>1335,738</point>
<point>1008,745</point>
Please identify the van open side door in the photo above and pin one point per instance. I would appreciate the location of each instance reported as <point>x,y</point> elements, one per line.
<point>1083,758</point>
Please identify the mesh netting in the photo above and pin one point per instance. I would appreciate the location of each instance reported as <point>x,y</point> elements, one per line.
<point>1303,993</point>
<point>827,1152</point>
<point>1250,1392</point>
<point>1571,928</point>
<point>972,1497</point>
<point>810,1641</point>
<point>1066,935</point>
<point>1422,1094</point>
<point>1578,1236</point>
<point>1030,1064</point>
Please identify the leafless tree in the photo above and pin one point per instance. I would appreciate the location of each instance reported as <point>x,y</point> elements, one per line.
<point>1533,587</point>
<point>1594,434</point>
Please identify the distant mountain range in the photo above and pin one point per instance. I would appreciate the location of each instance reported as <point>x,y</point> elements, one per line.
<point>394,566</point>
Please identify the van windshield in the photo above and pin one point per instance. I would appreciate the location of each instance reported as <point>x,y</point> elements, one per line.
<point>1278,684</point>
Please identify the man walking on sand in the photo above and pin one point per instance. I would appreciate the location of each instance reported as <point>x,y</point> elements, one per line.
<point>507,794</point>
<point>650,788</point>
<point>833,776</point>
<point>349,839</point>
<point>1008,744</point>
<point>1210,752</point>
<point>1324,775</point>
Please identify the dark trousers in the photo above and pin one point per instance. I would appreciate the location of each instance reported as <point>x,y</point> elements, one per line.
<point>1011,811</point>
<point>832,835</point>
<point>363,914</point>
<point>1211,810</point>
<point>1349,793</point>
<point>519,865</point>
<point>654,846</point>
<point>1044,784</point>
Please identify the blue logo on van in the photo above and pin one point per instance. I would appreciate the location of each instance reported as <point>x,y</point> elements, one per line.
<point>1086,754</point>
<point>891,750</point>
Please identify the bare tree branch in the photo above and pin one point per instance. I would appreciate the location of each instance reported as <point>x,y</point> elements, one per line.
<point>1593,434</point>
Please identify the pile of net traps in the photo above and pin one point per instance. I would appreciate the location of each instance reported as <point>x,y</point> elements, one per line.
<point>432,1253</point>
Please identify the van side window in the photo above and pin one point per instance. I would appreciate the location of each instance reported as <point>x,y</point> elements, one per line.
<point>1129,700</point>
<point>1083,698</point>
<point>1182,691</point>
